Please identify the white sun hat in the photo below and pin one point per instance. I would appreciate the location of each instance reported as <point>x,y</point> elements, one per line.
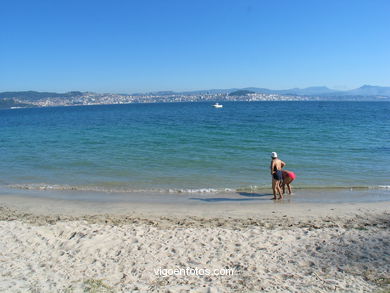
<point>274,155</point>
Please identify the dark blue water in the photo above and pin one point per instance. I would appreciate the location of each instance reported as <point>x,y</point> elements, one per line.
<point>193,146</point>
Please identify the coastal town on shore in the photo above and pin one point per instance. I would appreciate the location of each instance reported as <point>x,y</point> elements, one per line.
<point>89,98</point>
<point>29,99</point>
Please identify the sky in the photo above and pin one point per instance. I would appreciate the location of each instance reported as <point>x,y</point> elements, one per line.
<point>128,46</point>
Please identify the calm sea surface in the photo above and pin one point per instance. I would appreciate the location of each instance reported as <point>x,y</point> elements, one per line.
<point>195,147</point>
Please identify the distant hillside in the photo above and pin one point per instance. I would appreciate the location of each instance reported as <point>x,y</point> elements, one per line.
<point>162,93</point>
<point>241,93</point>
<point>316,91</point>
<point>310,91</point>
<point>44,99</point>
<point>9,103</point>
<point>370,90</point>
<point>33,96</point>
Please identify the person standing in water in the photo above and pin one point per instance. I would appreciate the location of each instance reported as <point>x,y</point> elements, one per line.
<point>277,174</point>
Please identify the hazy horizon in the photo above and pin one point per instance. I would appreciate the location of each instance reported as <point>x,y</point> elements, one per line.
<point>193,90</point>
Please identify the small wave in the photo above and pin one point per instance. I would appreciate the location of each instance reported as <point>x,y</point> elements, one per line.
<point>37,186</point>
<point>248,189</point>
<point>57,187</point>
<point>201,190</point>
<point>380,187</point>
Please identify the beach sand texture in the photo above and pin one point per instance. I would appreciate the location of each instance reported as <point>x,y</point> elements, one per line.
<point>283,249</point>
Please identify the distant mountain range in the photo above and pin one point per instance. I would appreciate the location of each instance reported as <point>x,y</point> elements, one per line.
<point>33,95</point>
<point>24,99</point>
<point>321,91</point>
<point>318,91</point>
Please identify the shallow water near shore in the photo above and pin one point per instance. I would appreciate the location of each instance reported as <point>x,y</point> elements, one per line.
<point>192,148</point>
<point>335,195</point>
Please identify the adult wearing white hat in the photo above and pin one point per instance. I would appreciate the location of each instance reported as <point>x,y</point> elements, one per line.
<point>277,174</point>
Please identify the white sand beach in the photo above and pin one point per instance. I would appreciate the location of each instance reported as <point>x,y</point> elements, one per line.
<point>52,245</point>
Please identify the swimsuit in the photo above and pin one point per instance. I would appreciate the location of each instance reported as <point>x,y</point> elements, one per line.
<point>278,175</point>
<point>288,174</point>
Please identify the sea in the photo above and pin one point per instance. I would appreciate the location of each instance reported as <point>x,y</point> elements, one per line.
<point>184,148</point>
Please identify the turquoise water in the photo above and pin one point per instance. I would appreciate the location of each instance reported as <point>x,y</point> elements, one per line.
<point>194,147</point>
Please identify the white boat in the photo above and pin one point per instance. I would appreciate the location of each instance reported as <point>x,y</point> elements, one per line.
<point>216,105</point>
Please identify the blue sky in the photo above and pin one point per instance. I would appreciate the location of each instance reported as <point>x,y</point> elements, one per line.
<point>139,46</point>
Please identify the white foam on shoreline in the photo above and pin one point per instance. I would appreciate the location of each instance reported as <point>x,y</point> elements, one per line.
<point>206,190</point>
<point>57,187</point>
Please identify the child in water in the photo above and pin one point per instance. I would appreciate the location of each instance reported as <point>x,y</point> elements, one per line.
<point>288,177</point>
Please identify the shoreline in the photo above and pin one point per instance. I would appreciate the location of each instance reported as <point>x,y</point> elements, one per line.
<point>239,205</point>
<point>230,215</point>
<point>309,195</point>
